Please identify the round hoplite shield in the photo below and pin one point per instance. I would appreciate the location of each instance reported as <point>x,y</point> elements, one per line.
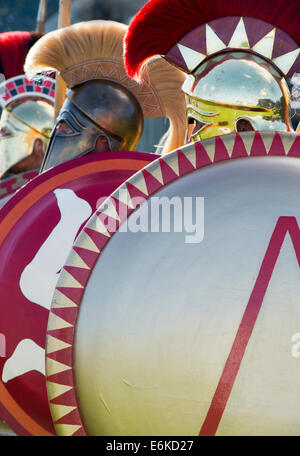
<point>185,317</point>
<point>37,229</point>
<point>9,186</point>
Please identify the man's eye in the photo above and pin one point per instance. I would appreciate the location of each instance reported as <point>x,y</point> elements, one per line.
<point>5,132</point>
<point>64,128</point>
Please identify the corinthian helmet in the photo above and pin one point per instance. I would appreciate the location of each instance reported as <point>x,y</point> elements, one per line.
<point>236,91</point>
<point>101,100</point>
<point>237,55</point>
<point>27,116</point>
<point>27,106</point>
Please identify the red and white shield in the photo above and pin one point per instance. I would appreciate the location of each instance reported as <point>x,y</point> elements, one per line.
<point>37,229</point>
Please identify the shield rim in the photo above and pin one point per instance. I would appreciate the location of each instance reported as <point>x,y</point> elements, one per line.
<point>152,178</point>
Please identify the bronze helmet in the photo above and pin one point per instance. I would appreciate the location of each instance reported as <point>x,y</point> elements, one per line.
<point>237,56</point>
<point>93,109</point>
<point>101,99</point>
<point>236,91</point>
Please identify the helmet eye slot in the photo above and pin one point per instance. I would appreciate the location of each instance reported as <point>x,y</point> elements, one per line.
<point>198,125</point>
<point>194,127</point>
<point>63,128</point>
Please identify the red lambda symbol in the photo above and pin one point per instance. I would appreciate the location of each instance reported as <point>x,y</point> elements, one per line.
<point>231,368</point>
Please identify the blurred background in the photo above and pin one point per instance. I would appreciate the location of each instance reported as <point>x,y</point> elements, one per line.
<point>21,15</point>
